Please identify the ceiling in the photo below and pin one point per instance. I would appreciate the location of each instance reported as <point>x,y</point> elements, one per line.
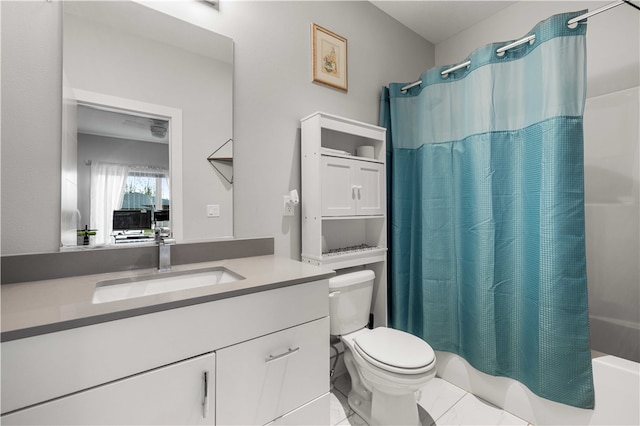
<point>101,122</point>
<point>436,21</point>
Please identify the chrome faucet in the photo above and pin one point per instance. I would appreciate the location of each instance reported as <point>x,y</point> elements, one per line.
<point>164,253</point>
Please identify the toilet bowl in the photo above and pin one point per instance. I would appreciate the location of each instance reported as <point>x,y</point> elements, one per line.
<point>386,366</point>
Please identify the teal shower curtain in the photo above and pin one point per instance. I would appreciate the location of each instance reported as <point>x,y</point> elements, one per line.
<point>487,239</point>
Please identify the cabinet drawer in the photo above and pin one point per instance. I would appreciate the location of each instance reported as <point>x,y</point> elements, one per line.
<point>260,380</point>
<point>172,395</point>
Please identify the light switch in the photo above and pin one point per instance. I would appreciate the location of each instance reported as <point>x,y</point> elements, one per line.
<point>213,210</point>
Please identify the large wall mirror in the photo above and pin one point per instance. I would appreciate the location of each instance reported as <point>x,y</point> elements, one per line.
<point>147,99</point>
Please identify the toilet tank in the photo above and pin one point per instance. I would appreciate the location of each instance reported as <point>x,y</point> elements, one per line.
<point>350,301</point>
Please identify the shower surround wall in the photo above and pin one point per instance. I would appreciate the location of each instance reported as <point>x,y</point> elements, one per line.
<point>612,193</point>
<point>612,200</point>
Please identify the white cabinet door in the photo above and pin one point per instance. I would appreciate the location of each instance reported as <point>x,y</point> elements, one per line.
<point>180,393</point>
<point>316,412</point>
<point>262,379</point>
<point>352,187</point>
<point>338,188</point>
<point>370,187</point>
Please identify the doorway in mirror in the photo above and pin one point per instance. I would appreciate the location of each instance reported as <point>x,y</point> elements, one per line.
<point>127,167</point>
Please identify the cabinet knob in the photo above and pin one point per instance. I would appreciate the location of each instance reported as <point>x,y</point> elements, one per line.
<point>355,188</point>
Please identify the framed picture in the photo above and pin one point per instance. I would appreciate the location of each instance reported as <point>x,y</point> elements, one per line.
<point>329,58</point>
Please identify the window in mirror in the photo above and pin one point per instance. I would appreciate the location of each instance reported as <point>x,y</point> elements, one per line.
<point>146,190</point>
<point>146,193</point>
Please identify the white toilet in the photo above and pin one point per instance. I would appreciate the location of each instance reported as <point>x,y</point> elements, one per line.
<point>386,366</point>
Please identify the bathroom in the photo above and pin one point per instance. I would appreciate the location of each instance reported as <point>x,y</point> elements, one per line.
<point>271,96</point>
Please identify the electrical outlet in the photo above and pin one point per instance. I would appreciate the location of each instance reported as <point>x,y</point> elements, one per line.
<point>213,210</point>
<point>288,206</point>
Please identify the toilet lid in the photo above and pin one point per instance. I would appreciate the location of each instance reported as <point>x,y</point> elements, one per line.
<point>395,351</point>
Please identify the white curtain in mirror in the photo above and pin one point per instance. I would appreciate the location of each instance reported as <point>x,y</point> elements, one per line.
<point>107,193</point>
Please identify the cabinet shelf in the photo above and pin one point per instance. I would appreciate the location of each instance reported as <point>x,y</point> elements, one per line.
<point>353,217</point>
<point>349,259</point>
<point>344,125</point>
<point>352,157</point>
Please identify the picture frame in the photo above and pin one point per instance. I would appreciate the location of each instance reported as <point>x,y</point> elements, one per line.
<point>329,53</point>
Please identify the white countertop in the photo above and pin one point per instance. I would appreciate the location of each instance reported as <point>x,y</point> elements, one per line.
<point>46,306</point>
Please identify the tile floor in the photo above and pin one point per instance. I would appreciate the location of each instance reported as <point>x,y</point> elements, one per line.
<point>441,404</point>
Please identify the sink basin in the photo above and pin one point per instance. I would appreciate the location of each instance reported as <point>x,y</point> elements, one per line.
<point>146,285</point>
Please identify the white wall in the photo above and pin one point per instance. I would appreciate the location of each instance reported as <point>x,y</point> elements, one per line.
<point>612,155</point>
<point>272,91</point>
<point>31,126</point>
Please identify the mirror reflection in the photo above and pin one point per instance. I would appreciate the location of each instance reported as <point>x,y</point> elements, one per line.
<point>146,99</point>
<point>130,177</point>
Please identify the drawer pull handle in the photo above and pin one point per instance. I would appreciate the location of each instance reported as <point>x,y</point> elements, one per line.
<point>205,394</point>
<point>282,355</point>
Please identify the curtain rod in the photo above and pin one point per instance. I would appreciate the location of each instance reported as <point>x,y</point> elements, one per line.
<point>571,22</point>
<point>133,166</point>
<point>529,39</point>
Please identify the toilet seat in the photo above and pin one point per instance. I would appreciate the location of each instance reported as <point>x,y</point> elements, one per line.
<point>395,351</point>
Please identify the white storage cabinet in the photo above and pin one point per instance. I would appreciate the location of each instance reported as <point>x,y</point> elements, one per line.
<point>343,200</point>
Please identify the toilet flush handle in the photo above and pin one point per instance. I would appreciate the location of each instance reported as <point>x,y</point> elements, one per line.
<point>334,293</point>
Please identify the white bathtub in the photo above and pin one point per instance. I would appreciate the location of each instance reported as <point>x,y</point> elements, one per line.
<point>616,337</point>
<point>616,382</point>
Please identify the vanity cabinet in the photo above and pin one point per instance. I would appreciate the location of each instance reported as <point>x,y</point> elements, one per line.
<point>151,368</point>
<point>179,394</point>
